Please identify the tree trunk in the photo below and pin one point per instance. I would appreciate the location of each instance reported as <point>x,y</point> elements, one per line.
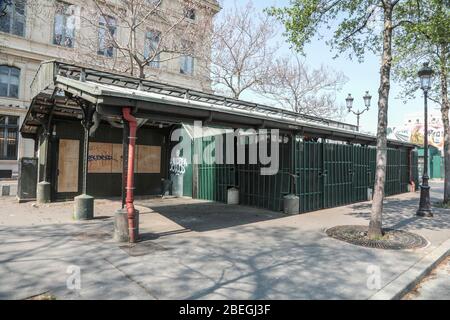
<point>375,225</point>
<point>141,72</point>
<point>444,111</point>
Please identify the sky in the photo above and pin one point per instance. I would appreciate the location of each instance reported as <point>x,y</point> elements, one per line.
<point>362,77</point>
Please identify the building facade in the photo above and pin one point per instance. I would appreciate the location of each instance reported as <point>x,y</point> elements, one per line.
<point>96,33</point>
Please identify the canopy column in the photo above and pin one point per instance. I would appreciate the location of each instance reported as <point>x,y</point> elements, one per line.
<point>84,203</point>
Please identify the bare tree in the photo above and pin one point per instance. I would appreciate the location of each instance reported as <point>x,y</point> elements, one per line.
<point>241,52</point>
<point>145,33</point>
<point>293,85</point>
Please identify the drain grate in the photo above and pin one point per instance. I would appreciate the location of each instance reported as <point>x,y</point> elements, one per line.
<point>392,239</point>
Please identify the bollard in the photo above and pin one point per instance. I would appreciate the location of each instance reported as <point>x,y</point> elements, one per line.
<point>233,196</point>
<point>84,207</point>
<point>177,185</point>
<point>369,194</point>
<point>121,226</point>
<point>43,192</point>
<point>291,204</point>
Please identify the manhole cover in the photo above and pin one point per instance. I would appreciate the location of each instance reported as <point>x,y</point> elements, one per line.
<point>141,248</point>
<point>392,239</point>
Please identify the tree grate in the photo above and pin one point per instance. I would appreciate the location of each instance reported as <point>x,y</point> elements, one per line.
<point>392,239</point>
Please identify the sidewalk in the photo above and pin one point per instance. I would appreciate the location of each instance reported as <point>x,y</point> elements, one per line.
<point>203,250</point>
<point>436,286</point>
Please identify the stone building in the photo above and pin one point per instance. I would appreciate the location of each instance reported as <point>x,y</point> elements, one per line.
<point>32,31</point>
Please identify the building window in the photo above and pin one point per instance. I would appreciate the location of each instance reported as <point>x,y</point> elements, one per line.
<point>9,81</point>
<point>9,129</point>
<point>12,19</point>
<point>151,49</point>
<point>64,33</point>
<point>187,60</point>
<point>189,13</point>
<point>106,33</point>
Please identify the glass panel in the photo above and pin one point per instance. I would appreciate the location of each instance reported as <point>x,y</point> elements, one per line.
<point>15,72</point>
<point>64,25</point>
<point>59,29</point>
<point>101,40</point>
<point>11,150</point>
<point>13,91</point>
<point>20,7</point>
<point>105,46</point>
<point>187,65</point>
<point>4,80</point>
<point>2,143</point>
<point>12,120</point>
<point>5,22</point>
<point>2,120</point>
<point>70,31</point>
<point>18,27</point>
<point>152,43</point>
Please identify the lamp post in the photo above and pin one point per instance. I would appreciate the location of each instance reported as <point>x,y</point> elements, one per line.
<point>425,74</point>
<point>349,101</point>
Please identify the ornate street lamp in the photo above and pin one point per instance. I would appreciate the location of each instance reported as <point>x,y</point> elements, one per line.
<point>425,75</point>
<point>349,102</point>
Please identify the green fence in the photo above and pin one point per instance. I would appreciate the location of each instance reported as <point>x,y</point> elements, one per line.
<point>324,175</point>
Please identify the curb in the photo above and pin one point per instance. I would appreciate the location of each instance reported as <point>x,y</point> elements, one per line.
<point>406,281</point>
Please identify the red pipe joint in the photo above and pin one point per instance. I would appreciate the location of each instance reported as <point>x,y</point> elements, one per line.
<point>133,233</point>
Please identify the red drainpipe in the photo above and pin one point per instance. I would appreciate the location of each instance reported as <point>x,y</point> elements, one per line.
<point>130,176</point>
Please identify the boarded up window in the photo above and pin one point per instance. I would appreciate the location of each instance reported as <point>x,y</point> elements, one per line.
<point>100,157</point>
<point>107,158</point>
<point>68,165</point>
<point>148,159</point>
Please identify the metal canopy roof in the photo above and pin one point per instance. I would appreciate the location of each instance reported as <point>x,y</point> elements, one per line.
<point>162,102</point>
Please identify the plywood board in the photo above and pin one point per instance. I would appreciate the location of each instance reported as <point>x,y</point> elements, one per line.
<point>117,158</point>
<point>68,160</point>
<point>148,159</point>
<point>100,157</point>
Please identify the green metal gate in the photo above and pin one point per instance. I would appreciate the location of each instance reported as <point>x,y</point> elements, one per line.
<point>338,174</point>
<point>326,175</point>
<point>214,178</point>
<point>362,172</point>
<point>265,191</point>
<point>310,173</point>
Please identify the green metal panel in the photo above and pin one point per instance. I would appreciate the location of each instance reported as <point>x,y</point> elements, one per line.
<point>187,177</point>
<point>327,175</point>
<point>309,171</point>
<point>338,174</point>
<point>436,171</point>
<point>214,178</point>
<point>265,191</point>
<point>404,166</point>
<point>362,172</point>
<point>392,183</point>
<point>415,168</point>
